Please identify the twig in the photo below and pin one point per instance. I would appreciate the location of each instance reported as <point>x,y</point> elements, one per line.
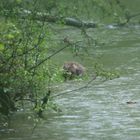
<point>35,126</point>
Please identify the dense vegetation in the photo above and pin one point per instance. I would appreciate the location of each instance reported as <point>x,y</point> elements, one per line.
<point>28,44</point>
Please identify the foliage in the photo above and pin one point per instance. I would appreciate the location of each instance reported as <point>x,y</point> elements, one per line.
<point>24,44</point>
<point>93,10</point>
<point>106,74</point>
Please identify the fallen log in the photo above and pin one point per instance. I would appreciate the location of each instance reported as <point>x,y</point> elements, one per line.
<point>55,19</point>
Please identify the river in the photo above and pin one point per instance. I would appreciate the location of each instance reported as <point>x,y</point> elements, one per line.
<point>99,112</point>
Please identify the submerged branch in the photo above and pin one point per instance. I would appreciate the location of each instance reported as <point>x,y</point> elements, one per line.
<point>77,89</point>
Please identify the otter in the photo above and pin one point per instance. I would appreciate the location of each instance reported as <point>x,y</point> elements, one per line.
<point>72,69</point>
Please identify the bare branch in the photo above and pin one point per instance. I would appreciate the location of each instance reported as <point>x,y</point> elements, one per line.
<point>47,58</point>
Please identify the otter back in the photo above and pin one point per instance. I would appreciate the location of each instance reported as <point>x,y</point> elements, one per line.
<point>73,69</point>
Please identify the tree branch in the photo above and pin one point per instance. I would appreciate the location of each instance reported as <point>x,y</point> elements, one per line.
<point>45,59</point>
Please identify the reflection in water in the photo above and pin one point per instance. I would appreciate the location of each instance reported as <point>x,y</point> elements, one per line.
<point>101,112</point>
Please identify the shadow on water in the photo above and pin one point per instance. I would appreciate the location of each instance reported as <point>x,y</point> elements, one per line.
<point>99,112</point>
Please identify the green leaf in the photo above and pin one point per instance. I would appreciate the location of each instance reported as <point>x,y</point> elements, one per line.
<point>10,36</point>
<point>18,1</point>
<point>1,46</point>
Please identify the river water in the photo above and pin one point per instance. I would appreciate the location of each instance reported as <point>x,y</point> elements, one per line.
<point>99,112</point>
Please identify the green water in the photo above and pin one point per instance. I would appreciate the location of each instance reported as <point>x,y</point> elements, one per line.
<point>99,112</point>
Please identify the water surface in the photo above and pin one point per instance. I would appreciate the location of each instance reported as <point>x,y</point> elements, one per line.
<point>98,112</point>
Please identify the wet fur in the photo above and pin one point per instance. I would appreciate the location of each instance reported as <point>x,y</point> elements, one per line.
<point>72,69</point>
